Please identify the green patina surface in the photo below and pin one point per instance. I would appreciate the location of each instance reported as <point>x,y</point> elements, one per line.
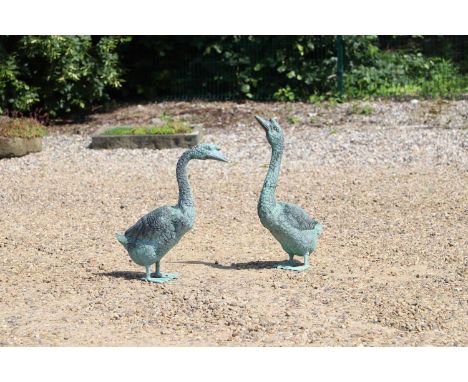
<point>289,224</point>
<point>157,232</point>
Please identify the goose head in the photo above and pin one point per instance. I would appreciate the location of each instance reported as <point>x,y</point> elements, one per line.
<point>274,132</point>
<point>208,151</point>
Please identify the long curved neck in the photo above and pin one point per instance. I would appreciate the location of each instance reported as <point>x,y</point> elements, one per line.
<point>185,192</point>
<point>267,196</point>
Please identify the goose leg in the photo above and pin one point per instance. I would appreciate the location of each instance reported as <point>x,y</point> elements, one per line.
<point>158,279</point>
<point>303,267</point>
<point>291,267</point>
<point>166,276</point>
<point>158,269</point>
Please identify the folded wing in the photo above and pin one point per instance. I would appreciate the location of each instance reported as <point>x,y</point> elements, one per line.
<point>296,217</point>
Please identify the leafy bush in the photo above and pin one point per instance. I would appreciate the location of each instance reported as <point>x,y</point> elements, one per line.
<point>285,68</point>
<point>396,74</point>
<point>61,75</point>
<point>57,74</point>
<point>444,80</point>
<point>21,128</point>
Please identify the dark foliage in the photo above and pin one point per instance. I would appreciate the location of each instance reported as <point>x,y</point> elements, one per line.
<point>62,75</point>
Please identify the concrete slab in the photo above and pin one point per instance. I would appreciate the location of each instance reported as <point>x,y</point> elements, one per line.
<point>150,141</point>
<point>17,147</point>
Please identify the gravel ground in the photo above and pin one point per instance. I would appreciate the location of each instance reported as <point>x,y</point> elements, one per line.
<point>390,269</point>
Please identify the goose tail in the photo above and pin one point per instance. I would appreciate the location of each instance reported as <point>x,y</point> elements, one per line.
<point>122,239</point>
<point>318,228</point>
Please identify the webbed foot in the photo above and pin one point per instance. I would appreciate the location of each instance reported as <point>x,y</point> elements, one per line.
<point>169,276</point>
<point>159,277</point>
<point>289,265</point>
<point>158,280</point>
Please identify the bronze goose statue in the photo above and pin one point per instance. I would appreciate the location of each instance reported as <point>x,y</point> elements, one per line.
<point>289,224</point>
<point>151,237</point>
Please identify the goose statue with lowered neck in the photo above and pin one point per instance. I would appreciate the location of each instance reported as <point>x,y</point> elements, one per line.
<point>289,224</point>
<point>157,232</point>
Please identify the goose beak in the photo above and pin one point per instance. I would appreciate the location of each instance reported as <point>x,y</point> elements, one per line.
<point>218,156</point>
<point>263,122</point>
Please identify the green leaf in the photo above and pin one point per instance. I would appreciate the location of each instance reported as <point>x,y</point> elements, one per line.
<point>300,48</point>
<point>245,88</point>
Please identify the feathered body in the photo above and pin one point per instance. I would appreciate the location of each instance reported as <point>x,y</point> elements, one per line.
<point>292,228</point>
<point>157,232</point>
<point>289,224</point>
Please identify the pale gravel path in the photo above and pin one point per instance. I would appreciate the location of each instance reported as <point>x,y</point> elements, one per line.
<point>390,268</point>
<point>325,146</point>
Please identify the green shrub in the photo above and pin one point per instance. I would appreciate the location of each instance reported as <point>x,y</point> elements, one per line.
<point>285,94</point>
<point>62,75</point>
<point>396,74</point>
<point>284,68</point>
<point>57,75</point>
<point>444,81</point>
<point>21,128</point>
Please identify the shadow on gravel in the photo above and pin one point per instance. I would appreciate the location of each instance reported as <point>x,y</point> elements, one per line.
<point>123,275</point>
<point>247,265</point>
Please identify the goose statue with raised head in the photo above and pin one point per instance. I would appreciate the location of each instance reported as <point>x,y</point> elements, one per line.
<point>151,237</point>
<point>289,224</point>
